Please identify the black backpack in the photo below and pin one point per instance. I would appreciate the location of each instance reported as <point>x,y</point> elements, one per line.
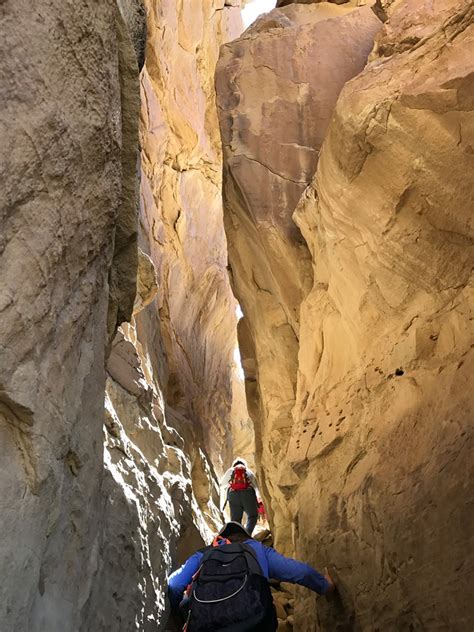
<point>229,593</point>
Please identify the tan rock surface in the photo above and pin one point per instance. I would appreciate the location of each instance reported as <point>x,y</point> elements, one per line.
<point>69,138</point>
<point>174,398</point>
<point>284,3</point>
<point>181,211</point>
<point>159,498</point>
<point>274,109</point>
<point>89,533</point>
<point>385,394</point>
<point>376,478</point>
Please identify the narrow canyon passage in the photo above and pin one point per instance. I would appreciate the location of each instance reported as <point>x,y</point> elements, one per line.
<point>222,238</point>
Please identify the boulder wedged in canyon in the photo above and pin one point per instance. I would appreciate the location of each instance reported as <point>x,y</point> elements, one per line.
<point>277,87</point>
<point>69,130</point>
<point>371,474</point>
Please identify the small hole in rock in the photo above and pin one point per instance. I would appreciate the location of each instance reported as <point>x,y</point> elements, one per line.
<point>399,372</point>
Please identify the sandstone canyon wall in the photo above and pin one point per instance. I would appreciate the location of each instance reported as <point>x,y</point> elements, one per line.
<point>181,210</point>
<point>173,392</point>
<point>359,371</point>
<point>347,147</point>
<point>96,511</point>
<point>69,131</point>
<point>277,86</point>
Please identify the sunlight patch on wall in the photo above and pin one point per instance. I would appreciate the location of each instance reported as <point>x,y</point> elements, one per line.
<point>238,364</point>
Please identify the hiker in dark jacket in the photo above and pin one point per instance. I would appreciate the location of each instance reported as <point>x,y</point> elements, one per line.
<point>272,565</point>
<point>241,487</point>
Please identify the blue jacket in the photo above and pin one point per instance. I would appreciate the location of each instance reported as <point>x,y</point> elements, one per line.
<point>273,565</point>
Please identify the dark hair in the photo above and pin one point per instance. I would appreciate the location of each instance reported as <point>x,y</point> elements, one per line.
<point>237,462</point>
<point>239,537</point>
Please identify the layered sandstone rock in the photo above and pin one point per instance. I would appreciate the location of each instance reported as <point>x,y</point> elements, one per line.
<point>373,466</point>
<point>181,215</point>
<point>385,396</point>
<point>159,498</point>
<point>89,533</point>
<point>284,3</point>
<point>174,398</point>
<point>69,132</point>
<point>277,87</point>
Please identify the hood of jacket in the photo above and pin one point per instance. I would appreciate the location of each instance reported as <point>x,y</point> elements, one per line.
<point>240,460</point>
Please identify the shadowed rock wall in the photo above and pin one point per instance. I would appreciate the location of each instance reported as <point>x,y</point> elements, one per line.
<point>95,515</point>
<point>277,86</point>
<point>369,468</point>
<point>69,129</point>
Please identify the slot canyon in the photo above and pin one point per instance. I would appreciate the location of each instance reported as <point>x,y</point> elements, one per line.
<point>221,240</point>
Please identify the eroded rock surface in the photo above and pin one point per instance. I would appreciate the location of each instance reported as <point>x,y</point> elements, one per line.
<point>375,472</point>
<point>94,516</point>
<point>69,129</point>
<point>174,396</point>
<point>181,214</point>
<point>277,86</point>
<point>385,395</point>
<point>159,500</point>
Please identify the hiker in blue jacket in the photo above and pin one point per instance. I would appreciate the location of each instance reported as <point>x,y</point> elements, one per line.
<point>273,566</point>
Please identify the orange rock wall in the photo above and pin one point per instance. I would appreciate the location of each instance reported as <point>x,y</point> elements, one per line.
<point>365,438</point>
<point>181,210</point>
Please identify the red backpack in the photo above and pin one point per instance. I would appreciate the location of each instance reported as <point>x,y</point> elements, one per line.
<point>239,479</point>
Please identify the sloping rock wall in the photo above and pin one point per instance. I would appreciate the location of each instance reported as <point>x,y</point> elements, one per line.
<point>69,129</point>
<point>385,397</point>
<point>181,211</point>
<point>95,515</point>
<point>174,397</point>
<point>371,472</point>
<point>277,86</point>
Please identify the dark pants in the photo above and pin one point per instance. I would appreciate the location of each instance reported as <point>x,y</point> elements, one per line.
<point>244,500</point>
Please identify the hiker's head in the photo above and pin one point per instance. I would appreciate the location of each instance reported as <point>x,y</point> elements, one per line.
<point>239,461</point>
<point>234,532</point>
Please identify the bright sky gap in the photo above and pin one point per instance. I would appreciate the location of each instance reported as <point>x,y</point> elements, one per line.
<point>251,12</point>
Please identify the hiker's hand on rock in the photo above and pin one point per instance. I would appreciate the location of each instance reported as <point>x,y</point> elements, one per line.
<point>329,579</point>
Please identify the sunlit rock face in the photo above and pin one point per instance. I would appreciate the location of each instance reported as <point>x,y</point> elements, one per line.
<point>383,418</point>
<point>277,86</point>
<point>370,473</point>
<point>160,501</point>
<point>174,394</point>
<point>95,515</point>
<point>69,129</point>
<point>181,209</point>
